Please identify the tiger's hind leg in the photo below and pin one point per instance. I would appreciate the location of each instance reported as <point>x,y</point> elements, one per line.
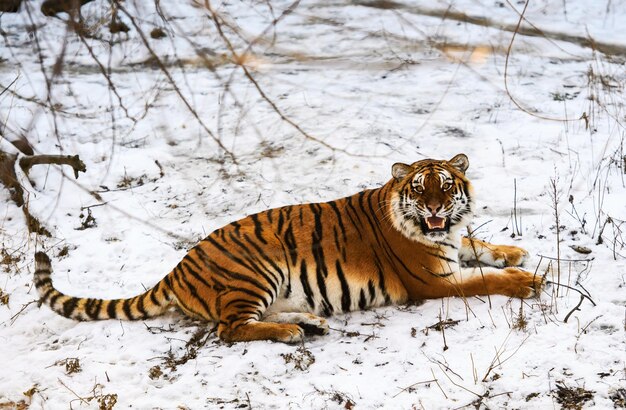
<point>311,324</point>
<point>240,320</point>
<point>474,250</point>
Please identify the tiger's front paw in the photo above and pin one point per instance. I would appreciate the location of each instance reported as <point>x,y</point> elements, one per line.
<point>506,255</point>
<point>522,284</point>
<point>314,325</point>
<point>293,334</point>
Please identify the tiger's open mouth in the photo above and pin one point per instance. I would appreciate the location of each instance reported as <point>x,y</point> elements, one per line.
<point>435,224</point>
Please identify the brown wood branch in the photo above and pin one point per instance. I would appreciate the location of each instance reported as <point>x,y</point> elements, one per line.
<point>10,6</point>
<point>72,160</point>
<point>526,30</point>
<point>8,178</point>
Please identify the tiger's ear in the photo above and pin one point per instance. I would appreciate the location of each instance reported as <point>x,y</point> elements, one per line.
<point>400,170</point>
<point>460,162</point>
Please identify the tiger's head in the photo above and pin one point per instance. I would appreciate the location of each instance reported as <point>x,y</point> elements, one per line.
<point>432,198</point>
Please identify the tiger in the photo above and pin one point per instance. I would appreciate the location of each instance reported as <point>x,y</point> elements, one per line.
<point>276,275</point>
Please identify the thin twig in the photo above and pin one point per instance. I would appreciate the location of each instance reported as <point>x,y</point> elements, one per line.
<point>165,71</point>
<point>241,63</point>
<point>411,386</point>
<point>506,70</point>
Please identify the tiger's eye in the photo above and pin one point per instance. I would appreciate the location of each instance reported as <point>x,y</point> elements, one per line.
<point>419,189</point>
<point>447,185</point>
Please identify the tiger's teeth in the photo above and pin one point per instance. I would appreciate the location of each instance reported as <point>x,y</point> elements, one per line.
<point>435,222</point>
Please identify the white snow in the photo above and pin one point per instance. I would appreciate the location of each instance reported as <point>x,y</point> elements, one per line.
<point>371,87</point>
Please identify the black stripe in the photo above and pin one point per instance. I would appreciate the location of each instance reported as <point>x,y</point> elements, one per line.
<point>140,306</point>
<point>258,229</point>
<point>346,303</point>
<point>269,215</point>
<point>350,205</point>
<point>181,302</point>
<point>362,302</point>
<point>236,226</point>
<point>39,283</point>
<point>327,307</point>
<point>439,275</point>
<point>321,270</point>
<point>192,261</point>
<point>242,303</point>
<point>288,289</point>
<point>217,285</point>
<point>342,228</point>
<point>372,290</point>
<point>381,277</point>
<point>449,245</point>
<point>47,294</point>
<point>126,308</point>
<point>357,225</point>
<point>372,221</point>
<point>153,297</point>
<point>234,317</point>
<point>281,220</point>
<point>333,205</point>
<point>290,241</point>
<point>261,270</point>
<point>185,263</point>
<point>288,210</point>
<point>111,311</point>
<point>253,294</point>
<point>205,258</point>
<point>91,308</point>
<point>266,258</point>
<point>231,275</point>
<point>193,293</point>
<point>165,286</point>
<point>436,255</point>
<point>316,243</point>
<point>53,300</point>
<point>255,265</point>
<point>69,306</point>
<point>304,279</point>
<point>243,314</point>
<point>98,308</point>
<point>168,283</point>
<point>178,273</point>
<point>380,238</point>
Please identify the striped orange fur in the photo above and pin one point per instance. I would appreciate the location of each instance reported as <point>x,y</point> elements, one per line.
<point>271,275</point>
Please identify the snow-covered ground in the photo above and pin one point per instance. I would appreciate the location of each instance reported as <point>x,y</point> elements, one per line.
<point>367,84</point>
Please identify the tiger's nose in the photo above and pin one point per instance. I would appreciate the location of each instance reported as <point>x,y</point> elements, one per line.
<point>434,208</point>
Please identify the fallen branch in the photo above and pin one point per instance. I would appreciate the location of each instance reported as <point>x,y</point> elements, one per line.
<point>8,178</point>
<point>72,160</point>
<point>530,31</point>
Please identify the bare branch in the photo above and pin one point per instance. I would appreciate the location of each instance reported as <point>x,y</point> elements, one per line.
<point>72,160</point>
<point>165,71</point>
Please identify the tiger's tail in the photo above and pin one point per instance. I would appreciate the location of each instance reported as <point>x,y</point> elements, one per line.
<point>151,303</point>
